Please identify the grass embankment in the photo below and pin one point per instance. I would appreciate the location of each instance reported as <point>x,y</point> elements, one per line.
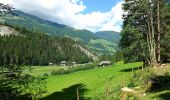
<point>160,91</point>
<point>93,81</point>
<point>153,82</point>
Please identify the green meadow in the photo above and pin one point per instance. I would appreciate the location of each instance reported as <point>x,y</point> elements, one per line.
<point>91,82</point>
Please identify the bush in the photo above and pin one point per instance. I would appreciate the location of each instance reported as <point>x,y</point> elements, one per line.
<point>45,74</point>
<point>73,69</point>
<point>59,72</point>
<point>148,75</point>
<point>131,83</point>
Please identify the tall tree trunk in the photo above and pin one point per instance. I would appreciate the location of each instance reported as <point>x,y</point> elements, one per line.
<point>158,34</point>
<point>148,36</point>
<point>153,44</point>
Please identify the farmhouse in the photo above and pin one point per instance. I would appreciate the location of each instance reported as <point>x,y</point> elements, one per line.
<point>104,63</point>
<point>63,63</point>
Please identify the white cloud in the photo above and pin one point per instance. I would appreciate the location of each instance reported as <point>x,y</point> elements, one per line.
<point>69,12</point>
<point>116,20</point>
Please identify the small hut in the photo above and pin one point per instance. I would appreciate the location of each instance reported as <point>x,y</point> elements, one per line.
<point>63,63</point>
<point>104,63</point>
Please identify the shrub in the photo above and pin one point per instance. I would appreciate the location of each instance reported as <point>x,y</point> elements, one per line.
<point>45,74</point>
<point>131,83</point>
<point>73,69</point>
<point>59,72</point>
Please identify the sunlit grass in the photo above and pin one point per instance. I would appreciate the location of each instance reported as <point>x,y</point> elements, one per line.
<point>94,79</point>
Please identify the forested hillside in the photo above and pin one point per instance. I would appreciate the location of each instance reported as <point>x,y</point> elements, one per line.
<point>91,40</point>
<point>20,46</point>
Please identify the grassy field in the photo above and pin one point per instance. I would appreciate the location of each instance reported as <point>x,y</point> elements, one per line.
<point>91,82</point>
<point>94,82</point>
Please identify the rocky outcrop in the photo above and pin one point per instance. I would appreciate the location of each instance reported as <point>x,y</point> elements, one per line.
<point>87,52</point>
<point>5,30</point>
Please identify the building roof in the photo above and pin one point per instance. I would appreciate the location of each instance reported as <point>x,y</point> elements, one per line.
<point>104,62</point>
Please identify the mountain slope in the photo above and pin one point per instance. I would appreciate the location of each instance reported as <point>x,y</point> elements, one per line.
<point>32,22</point>
<point>20,46</point>
<point>108,41</point>
<point>91,40</point>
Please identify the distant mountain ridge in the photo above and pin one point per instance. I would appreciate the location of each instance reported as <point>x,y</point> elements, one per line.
<point>109,35</point>
<point>91,40</point>
<point>32,22</point>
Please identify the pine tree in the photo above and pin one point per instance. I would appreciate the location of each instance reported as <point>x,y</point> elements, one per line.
<point>141,32</point>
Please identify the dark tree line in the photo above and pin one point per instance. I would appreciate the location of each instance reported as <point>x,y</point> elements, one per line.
<point>36,48</point>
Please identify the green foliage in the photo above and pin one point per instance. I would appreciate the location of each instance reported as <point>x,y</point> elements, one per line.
<point>137,31</point>
<point>131,83</point>
<point>45,74</point>
<point>116,57</point>
<point>14,85</point>
<point>105,57</point>
<point>142,77</point>
<point>133,44</point>
<point>165,41</point>
<point>149,75</point>
<point>35,87</point>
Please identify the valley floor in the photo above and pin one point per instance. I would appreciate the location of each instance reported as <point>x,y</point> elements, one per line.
<point>91,83</point>
<point>95,84</point>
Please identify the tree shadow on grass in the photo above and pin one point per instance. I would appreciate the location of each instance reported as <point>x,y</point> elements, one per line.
<point>161,83</point>
<point>69,93</point>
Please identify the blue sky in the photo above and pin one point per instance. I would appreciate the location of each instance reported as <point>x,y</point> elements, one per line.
<point>93,15</point>
<point>99,5</point>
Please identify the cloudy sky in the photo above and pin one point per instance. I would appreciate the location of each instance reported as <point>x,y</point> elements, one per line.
<point>94,15</point>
